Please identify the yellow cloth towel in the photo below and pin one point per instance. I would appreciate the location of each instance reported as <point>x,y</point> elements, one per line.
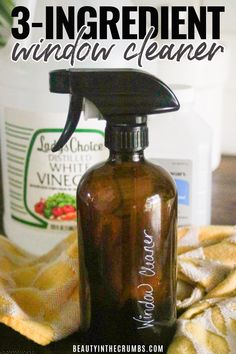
<point>207,290</point>
<point>39,296</point>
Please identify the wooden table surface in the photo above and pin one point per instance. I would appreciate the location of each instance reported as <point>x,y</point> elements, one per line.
<point>223,212</point>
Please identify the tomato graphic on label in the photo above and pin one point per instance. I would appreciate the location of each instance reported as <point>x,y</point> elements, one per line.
<point>59,206</point>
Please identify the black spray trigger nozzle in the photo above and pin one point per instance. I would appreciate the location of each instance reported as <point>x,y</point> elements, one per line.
<point>123,97</point>
<point>75,109</point>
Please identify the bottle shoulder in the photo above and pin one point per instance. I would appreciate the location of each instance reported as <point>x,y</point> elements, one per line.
<point>144,177</point>
<point>160,172</point>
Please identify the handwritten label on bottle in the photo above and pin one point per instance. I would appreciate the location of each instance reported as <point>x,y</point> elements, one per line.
<point>146,306</point>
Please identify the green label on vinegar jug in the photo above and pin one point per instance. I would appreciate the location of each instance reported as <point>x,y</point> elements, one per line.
<point>42,184</point>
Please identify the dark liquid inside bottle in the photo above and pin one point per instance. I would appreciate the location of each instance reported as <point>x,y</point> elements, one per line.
<point>127,211</point>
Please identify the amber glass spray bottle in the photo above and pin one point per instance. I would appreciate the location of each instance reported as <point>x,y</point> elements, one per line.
<point>127,209</point>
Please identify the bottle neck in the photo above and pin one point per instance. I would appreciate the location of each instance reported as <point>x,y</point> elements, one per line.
<point>126,156</point>
<point>127,138</point>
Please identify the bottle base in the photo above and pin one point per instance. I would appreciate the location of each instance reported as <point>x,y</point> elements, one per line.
<point>118,327</point>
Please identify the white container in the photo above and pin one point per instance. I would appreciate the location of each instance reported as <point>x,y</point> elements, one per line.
<point>31,114</point>
<point>31,121</point>
<point>181,143</point>
<point>208,88</point>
